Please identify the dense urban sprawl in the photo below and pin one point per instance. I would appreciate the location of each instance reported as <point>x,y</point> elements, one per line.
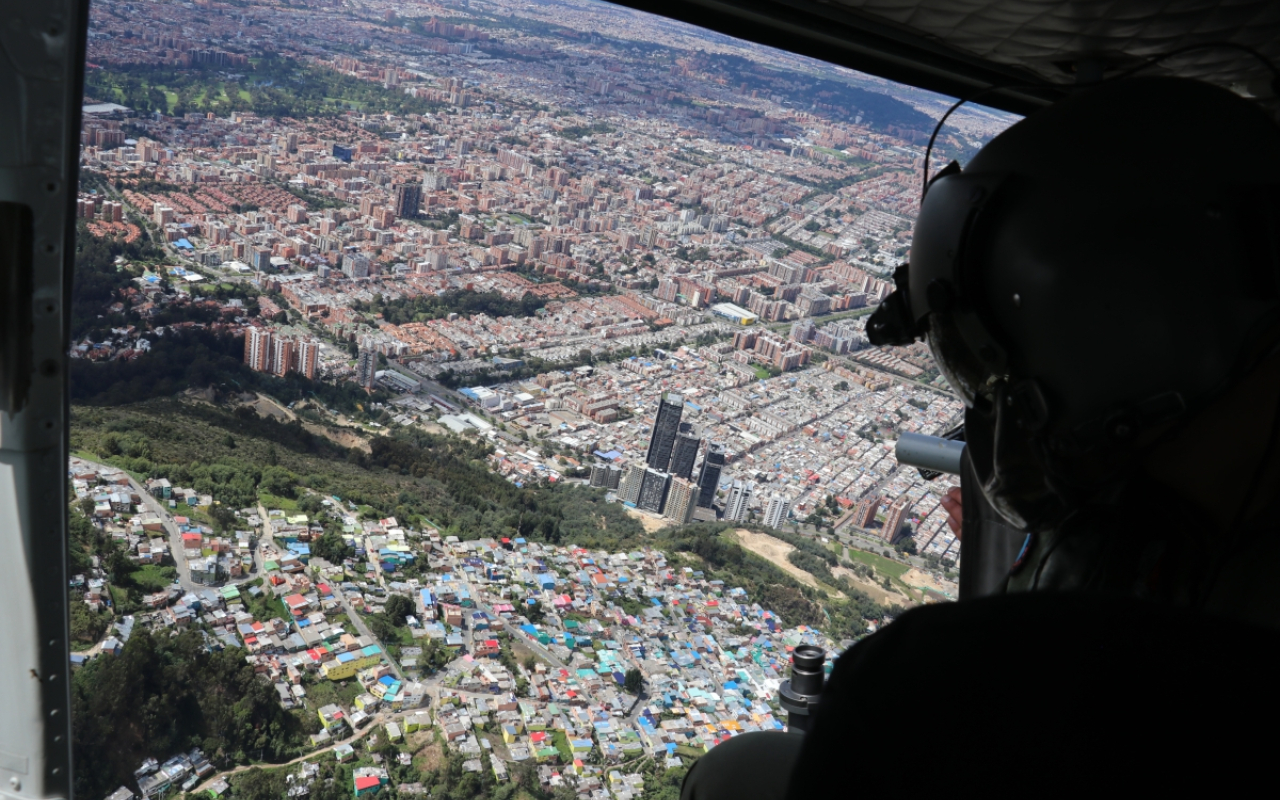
<point>617,252</point>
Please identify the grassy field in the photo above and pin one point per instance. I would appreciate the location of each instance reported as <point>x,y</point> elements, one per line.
<point>324,692</point>
<point>885,566</point>
<point>198,515</point>
<point>153,577</point>
<point>119,596</point>
<point>270,501</point>
<point>561,741</point>
<point>404,638</point>
<point>263,607</point>
<point>688,752</point>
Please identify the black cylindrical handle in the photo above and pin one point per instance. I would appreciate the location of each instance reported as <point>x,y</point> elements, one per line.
<point>806,670</point>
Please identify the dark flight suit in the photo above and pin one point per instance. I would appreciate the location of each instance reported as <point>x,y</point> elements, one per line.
<point>1089,680</point>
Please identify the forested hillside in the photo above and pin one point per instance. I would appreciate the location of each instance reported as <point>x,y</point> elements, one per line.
<point>773,589</point>
<point>416,476</point>
<point>164,695</point>
<point>197,359</point>
<point>269,86</point>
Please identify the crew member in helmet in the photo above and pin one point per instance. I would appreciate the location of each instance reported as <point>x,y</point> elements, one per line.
<point>1101,285</point>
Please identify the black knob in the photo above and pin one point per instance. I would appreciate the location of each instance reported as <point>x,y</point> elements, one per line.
<point>806,670</point>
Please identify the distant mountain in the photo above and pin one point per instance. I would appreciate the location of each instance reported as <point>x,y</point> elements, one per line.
<point>777,72</point>
<point>834,98</point>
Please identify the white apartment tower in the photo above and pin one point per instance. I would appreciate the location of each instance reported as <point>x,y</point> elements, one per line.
<point>776,511</point>
<point>632,480</point>
<point>735,509</point>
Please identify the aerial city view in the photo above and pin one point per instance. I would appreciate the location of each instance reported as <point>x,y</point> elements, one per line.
<point>472,399</point>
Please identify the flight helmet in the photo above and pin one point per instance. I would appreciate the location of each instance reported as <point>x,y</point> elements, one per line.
<point>1095,276</point>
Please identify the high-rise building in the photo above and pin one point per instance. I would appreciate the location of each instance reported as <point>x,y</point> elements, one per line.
<point>665,428</point>
<point>261,259</point>
<point>435,181</point>
<point>599,475</point>
<point>684,455</point>
<point>613,478</point>
<point>709,478</point>
<point>653,491</point>
<point>268,351</point>
<point>629,487</point>
<point>735,508</point>
<point>366,366</point>
<point>408,199</point>
<point>308,354</point>
<point>681,499</point>
<point>281,355</point>
<point>257,349</point>
<point>355,265</point>
<point>865,512</point>
<point>893,522</point>
<point>776,511</point>
<point>434,259</point>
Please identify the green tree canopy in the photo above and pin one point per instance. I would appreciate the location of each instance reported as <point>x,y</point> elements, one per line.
<point>398,607</point>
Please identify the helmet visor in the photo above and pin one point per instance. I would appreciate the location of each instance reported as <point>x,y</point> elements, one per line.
<point>966,373</point>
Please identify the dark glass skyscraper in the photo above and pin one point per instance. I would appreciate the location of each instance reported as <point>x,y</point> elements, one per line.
<point>665,428</point>
<point>684,455</point>
<point>709,478</point>
<point>408,199</point>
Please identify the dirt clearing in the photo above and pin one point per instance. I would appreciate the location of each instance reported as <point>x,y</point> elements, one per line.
<point>776,550</point>
<point>521,652</point>
<point>923,580</point>
<point>650,523</point>
<point>269,407</point>
<point>430,757</point>
<point>266,407</point>
<point>339,436</point>
<point>874,590</point>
